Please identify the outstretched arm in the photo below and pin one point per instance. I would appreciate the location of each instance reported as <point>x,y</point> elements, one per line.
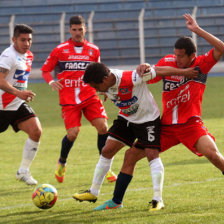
<point>167,71</point>
<point>211,39</point>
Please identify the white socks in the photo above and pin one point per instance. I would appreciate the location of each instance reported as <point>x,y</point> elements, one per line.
<point>102,167</point>
<point>157,173</point>
<point>29,152</point>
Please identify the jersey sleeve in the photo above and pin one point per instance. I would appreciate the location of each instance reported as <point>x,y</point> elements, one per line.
<point>7,60</point>
<point>206,61</point>
<point>51,61</point>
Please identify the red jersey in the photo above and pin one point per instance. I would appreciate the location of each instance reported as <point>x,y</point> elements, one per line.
<point>72,66</point>
<point>182,98</point>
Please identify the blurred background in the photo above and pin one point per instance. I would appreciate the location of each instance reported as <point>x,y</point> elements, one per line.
<point>128,32</point>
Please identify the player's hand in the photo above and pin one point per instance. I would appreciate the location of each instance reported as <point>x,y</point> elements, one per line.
<point>56,85</point>
<point>191,22</point>
<point>143,68</point>
<point>26,95</point>
<point>191,73</point>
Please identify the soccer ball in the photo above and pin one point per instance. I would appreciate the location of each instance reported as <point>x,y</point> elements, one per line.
<point>45,196</point>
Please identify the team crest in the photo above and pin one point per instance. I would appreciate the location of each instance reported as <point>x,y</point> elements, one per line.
<point>90,52</point>
<point>123,90</point>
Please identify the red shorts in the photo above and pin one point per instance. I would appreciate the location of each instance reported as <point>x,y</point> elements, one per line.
<point>187,134</point>
<point>91,108</point>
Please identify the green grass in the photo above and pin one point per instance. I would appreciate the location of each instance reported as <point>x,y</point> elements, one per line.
<point>193,188</point>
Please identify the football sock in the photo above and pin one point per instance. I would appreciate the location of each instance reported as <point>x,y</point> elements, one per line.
<point>65,149</point>
<point>122,183</point>
<point>101,170</point>
<point>101,141</point>
<point>157,173</point>
<point>29,153</point>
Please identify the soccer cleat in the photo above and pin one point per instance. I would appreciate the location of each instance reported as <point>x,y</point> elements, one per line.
<point>108,205</point>
<point>85,196</point>
<point>26,177</point>
<point>156,205</point>
<point>111,176</point>
<point>60,172</point>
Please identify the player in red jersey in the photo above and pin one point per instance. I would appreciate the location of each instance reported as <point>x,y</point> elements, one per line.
<point>76,97</point>
<point>15,66</point>
<point>182,98</point>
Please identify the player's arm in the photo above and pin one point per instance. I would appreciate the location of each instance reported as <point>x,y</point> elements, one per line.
<point>150,72</point>
<point>7,87</point>
<point>55,85</point>
<point>211,39</point>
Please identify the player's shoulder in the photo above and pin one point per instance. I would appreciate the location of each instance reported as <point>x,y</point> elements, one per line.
<point>169,58</point>
<point>91,45</point>
<point>9,53</point>
<point>62,45</point>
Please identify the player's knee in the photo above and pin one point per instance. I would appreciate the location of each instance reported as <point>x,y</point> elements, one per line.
<point>35,133</point>
<point>102,129</point>
<point>107,153</point>
<point>72,133</point>
<point>101,125</point>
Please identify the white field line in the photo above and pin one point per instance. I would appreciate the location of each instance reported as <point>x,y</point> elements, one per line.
<point>130,190</point>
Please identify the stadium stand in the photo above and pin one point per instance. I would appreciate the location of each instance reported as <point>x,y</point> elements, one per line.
<point>115,25</point>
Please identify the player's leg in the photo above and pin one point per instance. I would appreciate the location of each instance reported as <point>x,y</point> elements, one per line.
<point>26,120</point>
<point>157,174</point>
<point>195,136</point>
<point>207,147</point>
<point>72,117</point>
<point>132,155</point>
<point>120,134</point>
<point>95,113</point>
<point>101,125</point>
<point>103,166</point>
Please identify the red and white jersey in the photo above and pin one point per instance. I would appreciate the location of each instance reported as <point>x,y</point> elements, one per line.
<point>130,93</point>
<point>19,66</point>
<point>72,64</point>
<point>182,98</point>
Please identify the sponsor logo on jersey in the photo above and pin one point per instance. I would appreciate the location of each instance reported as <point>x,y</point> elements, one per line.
<point>169,59</point>
<point>65,51</point>
<point>73,65</point>
<point>78,57</point>
<point>21,75</point>
<point>183,96</point>
<point>125,103</point>
<point>75,83</point>
<point>169,85</point>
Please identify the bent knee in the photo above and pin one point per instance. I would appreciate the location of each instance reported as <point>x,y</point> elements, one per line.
<point>35,133</point>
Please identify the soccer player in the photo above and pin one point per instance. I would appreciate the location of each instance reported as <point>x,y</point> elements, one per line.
<point>138,119</point>
<point>182,97</point>
<point>15,66</point>
<point>76,97</point>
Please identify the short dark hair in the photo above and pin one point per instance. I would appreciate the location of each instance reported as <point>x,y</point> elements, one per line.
<point>186,43</point>
<point>95,72</point>
<point>78,20</point>
<point>21,28</point>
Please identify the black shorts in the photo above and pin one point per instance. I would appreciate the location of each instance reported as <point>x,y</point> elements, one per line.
<point>8,117</point>
<point>147,134</point>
